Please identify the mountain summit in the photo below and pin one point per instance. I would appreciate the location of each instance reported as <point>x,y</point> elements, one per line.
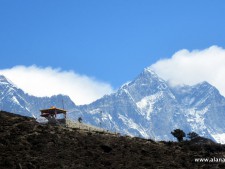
<point>147,107</point>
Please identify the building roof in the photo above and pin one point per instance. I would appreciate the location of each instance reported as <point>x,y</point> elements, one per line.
<point>52,110</point>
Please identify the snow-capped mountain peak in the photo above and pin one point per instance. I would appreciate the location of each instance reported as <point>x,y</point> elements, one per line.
<point>2,78</point>
<point>6,81</point>
<point>147,106</point>
<point>151,71</point>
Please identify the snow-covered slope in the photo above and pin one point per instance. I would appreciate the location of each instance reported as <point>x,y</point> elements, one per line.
<point>14,100</point>
<point>147,106</point>
<point>204,109</point>
<point>150,108</point>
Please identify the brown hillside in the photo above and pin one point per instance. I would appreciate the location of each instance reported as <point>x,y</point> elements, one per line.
<point>25,144</point>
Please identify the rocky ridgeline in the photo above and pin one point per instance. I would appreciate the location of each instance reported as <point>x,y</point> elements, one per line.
<point>26,144</point>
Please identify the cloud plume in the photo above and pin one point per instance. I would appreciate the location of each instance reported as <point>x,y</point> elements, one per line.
<point>48,81</point>
<point>191,67</point>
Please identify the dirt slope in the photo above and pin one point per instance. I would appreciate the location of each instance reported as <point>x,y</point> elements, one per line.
<point>26,144</point>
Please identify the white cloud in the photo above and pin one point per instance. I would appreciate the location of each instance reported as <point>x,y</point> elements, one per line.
<point>191,67</point>
<point>47,81</point>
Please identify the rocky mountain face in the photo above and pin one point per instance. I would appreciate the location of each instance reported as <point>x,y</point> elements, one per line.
<point>148,107</point>
<point>204,109</point>
<point>15,100</point>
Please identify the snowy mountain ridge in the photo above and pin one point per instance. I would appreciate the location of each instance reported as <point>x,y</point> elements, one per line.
<point>147,106</point>
<point>15,100</point>
<point>151,108</point>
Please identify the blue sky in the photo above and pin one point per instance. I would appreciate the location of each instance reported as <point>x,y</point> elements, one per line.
<point>109,40</point>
